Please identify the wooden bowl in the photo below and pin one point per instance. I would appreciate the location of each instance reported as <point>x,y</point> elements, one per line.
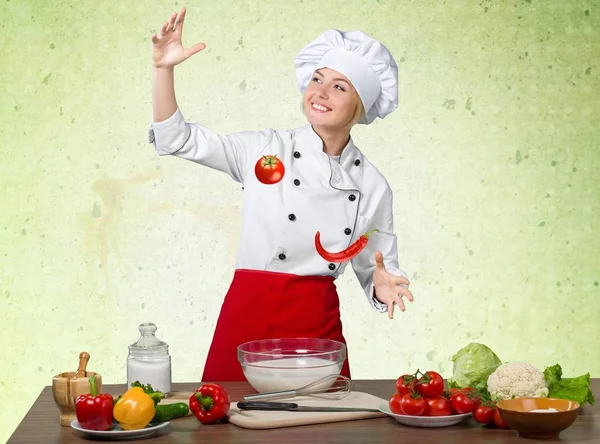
<point>518,415</point>
<point>66,388</point>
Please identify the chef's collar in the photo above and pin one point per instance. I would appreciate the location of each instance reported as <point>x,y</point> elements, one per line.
<point>314,140</point>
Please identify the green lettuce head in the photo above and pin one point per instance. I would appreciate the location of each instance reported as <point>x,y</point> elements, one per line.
<point>472,366</point>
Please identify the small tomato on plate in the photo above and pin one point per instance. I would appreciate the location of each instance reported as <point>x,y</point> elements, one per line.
<point>413,404</point>
<point>431,384</point>
<point>394,404</point>
<point>405,383</point>
<point>438,406</point>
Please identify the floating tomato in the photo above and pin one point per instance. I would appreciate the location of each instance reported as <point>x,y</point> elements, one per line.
<point>269,169</point>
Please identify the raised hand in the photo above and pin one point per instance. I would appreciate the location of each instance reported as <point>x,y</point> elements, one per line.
<point>167,50</point>
<point>390,288</point>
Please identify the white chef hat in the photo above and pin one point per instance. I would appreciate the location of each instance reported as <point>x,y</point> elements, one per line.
<point>362,59</point>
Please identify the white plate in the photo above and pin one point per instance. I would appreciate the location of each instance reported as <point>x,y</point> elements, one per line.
<point>116,432</point>
<point>424,421</point>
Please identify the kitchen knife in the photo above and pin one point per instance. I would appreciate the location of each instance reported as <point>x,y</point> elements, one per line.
<point>293,407</point>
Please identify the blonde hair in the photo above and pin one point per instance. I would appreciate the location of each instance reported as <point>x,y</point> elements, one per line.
<point>359,112</point>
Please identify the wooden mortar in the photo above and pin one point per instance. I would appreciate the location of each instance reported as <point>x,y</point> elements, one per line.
<point>67,386</point>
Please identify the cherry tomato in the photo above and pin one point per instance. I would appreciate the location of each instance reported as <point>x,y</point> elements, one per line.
<point>469,391</point>
<point>461,403</point>
<point>431,384</point>
<point>413,404</point>
<point>269,169</point>
<point>498,421</point>
<point>484,414</point>
<point>405,383</point>
<point>394,404</point>
<point>438,406</point>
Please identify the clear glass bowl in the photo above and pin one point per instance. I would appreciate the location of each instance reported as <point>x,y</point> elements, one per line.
<point>272,365</point>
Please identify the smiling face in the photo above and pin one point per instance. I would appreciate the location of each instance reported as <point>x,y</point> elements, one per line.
<point>330,101</point>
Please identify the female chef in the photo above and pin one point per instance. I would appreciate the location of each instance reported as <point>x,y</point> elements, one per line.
<point>296,183</point>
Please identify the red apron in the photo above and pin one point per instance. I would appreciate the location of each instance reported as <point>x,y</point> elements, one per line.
<point>268,305</point>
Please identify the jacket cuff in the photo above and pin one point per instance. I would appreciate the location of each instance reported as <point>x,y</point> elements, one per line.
<point>170,135</point>
<point>378,305</point>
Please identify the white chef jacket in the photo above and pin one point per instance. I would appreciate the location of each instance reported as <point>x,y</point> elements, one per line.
<point>342,198</point>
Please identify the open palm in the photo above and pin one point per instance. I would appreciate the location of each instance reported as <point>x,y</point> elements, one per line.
<point>167,49</point>
<point>389,288</point>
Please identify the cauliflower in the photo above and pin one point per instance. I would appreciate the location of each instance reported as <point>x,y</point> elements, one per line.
<point>516,380</point>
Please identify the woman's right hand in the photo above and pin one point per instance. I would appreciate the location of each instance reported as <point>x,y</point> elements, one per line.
<point>167,50</point>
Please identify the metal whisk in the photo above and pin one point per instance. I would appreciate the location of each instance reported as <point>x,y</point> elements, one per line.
<point>329,387</point>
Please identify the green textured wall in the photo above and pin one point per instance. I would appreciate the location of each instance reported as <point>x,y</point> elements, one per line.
<point>493,157</point>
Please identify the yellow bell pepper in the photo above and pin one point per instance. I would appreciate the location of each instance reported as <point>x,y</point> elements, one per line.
<point>134,410</point>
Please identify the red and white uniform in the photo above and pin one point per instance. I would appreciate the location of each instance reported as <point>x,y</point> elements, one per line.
<point>282,287</point>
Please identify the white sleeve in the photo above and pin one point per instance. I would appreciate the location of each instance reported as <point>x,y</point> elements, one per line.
<point>230,153</point>
<point>385,241</point>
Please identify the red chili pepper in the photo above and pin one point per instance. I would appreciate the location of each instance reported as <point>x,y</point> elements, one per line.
<point>210,403</point>
<point>94,411</point>
<point>344,255</point>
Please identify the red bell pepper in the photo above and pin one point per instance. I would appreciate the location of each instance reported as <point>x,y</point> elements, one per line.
<point>94,411</point>
<point>210,403</point>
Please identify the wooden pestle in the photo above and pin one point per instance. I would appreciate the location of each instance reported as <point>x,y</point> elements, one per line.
<point>84,357</point>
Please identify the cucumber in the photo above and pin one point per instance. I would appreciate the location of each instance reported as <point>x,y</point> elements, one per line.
<point>169,412</point>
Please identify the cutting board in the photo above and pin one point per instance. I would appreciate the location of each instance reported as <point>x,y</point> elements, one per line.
<point>261,419</point>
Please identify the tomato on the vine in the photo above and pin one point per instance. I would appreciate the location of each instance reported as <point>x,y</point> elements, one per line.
<point>498,421</point>
<point>438,406</point>
<point>394,404</point>
<point>462,403</point>
<point>484,414</point>
<point>431,384</point>
<point>413,404</point>
<point>423,394</point>
<point>405,383</point>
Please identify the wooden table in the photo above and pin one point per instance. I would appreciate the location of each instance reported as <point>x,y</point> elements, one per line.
<point>40,425</point>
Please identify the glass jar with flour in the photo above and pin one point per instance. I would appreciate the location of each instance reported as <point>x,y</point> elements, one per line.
<point>148,361</point>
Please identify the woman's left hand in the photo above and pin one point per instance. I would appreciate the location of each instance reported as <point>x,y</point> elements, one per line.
<point>389,288</point>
